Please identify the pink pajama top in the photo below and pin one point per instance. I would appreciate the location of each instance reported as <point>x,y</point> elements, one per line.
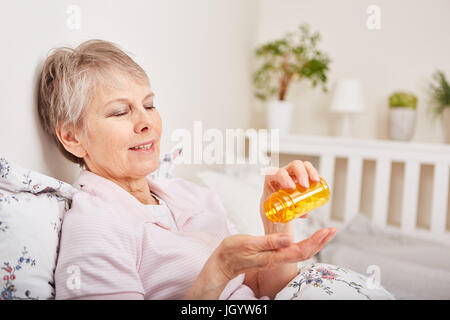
<point>113,244</point>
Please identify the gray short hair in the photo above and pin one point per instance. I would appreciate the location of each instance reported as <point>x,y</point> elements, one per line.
<point>69,80</point>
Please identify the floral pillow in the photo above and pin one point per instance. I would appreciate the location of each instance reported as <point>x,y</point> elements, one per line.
<point>32,206</point>
<point>31,211</point>
<point>320,281</point>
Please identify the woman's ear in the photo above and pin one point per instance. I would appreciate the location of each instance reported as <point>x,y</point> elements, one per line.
<point>70,139</point>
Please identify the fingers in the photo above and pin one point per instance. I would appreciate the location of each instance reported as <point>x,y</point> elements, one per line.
<point>302,172</point>
<point>305,249</point>
<point>270,242</point>
<point>330,235</point>
<point>312,172</point>
<point>280,180</point>
<point>297,171</point>
<point>318,239</point>
<point>242,252</point>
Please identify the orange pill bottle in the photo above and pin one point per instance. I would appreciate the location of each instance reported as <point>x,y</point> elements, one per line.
<point>288,204</point>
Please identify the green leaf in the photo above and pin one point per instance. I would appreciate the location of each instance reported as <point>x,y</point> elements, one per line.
<point>403,99</point>
<point>440,92</point>
<point>293,54</point>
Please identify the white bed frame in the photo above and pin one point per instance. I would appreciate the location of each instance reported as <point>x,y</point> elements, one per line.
<point>412,155</point>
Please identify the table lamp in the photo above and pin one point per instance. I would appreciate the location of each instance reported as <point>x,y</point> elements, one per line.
<point>347,99</point>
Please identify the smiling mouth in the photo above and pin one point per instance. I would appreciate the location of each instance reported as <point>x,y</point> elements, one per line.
<point>145,147</point>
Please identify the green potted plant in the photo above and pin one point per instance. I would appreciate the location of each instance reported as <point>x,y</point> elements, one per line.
<point>280,63</point>
<point>402,115</point>
<point>440,96</point>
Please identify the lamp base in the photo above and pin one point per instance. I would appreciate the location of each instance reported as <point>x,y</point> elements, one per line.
<point>344,130</point>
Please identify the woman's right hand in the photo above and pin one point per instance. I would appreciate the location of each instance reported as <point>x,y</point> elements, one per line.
<point>240,253</point>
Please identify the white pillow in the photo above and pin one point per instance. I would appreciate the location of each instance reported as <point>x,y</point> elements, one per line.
<point>240,199</point>
<point>31,211</point>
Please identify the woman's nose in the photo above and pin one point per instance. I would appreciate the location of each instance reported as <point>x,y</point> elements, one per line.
<point>143,120</point>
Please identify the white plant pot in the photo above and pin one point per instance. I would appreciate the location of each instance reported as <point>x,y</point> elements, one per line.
<point>446,124</point>
<point>279,115</point>
<point>402,122</point>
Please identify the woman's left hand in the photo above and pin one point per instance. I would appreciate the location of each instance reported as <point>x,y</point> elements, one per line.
<point>286,177</point>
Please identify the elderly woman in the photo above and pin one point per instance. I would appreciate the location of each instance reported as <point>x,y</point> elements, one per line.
<point>129,237</point>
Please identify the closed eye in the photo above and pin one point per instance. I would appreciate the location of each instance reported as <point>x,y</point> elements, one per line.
<point>124,113</point>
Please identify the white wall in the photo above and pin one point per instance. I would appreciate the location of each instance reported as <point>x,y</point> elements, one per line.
<point>199,57</point>
<point>197,54</point>
<point>411,44</point>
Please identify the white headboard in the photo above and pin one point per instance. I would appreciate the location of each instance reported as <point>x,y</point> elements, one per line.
<point>384,153</point>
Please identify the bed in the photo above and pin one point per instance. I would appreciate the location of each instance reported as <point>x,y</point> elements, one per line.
<point>404,246</point>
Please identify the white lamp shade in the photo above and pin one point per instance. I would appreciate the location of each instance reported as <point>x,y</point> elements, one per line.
<point>348,97</point>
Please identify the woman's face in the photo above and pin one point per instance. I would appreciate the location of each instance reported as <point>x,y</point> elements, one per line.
<point>120,119</point>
